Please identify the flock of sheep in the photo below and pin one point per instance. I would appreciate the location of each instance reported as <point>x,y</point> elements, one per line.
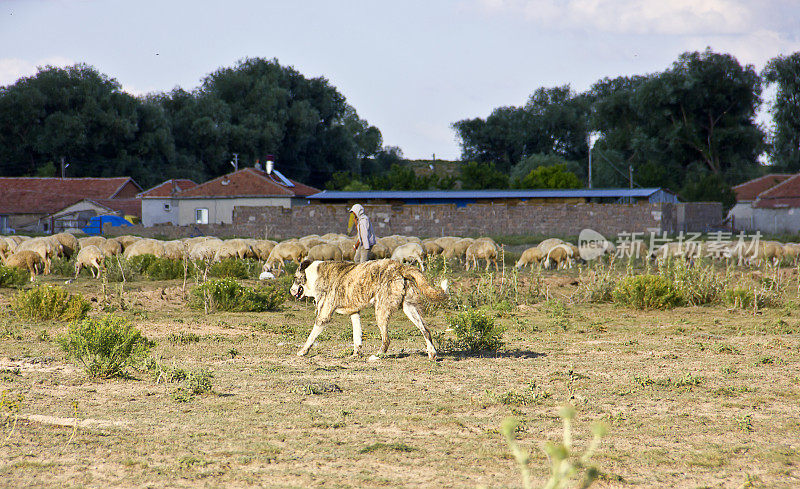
<point>35,254</point>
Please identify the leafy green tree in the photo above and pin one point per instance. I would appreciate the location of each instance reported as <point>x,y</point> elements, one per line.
<point>554,121</point>
<point>784,71</point>
<point>709,187</point>
<point>479,176</point>
<point>532,162</point>
<point>550,177</point>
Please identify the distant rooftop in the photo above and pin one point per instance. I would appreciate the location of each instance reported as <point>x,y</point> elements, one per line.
<point>450,195</point>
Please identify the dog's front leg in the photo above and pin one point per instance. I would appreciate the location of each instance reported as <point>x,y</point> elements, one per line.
<point>356,320</point>
<point>324,313</point>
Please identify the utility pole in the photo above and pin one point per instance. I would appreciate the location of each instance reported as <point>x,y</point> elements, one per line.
<point>235,162</point>
<point>630,180</point>
<point>593,137</point>
<point>63,166</point>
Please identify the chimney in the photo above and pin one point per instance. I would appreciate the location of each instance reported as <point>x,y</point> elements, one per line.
<point>270,164</point>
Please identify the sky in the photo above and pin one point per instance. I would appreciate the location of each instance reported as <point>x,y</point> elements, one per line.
<point>411,68</point>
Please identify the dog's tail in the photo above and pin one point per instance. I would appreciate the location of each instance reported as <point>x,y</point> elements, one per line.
<point>432,293</point>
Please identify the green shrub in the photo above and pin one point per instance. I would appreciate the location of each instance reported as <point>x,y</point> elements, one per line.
<point>64,267</point>
<point>156,268</point>
<point>13,277</point>
<point>118,268</point>
<point>105,346</point>
<point>755,297</point>
<point>47,302</point>
<point>648,292</point>
<point>227,295</point>
<point>234,268</point>
<point>698,284</point>
<point>475,331</point>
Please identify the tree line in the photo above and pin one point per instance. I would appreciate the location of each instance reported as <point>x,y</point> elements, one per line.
<point>691,128</point>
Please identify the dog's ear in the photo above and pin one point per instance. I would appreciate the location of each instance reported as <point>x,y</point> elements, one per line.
<point>304,265</point>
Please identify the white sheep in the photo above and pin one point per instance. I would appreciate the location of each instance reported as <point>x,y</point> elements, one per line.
<point>285,250</point>
<point>91,257</point>
<point>26,260</point>
<point>410,252</point>
<point>481,249</point>
<point>324,252</point>
<point>530,257</point>
<point>144,246</point>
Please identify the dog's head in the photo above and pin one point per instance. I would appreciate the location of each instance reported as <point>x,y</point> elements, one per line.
<point>301,286</point>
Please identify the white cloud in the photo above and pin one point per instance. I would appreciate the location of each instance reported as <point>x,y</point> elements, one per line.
<point>672,17</point>
<point>12,69</point>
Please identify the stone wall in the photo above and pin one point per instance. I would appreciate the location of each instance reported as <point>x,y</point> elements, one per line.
<point>447,219</point>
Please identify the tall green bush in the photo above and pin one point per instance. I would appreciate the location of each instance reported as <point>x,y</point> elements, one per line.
<point>48,302</point>
<point>105,346</point>
<point>475,331</point>
<point>227,295</point>
<point>648,292</point>
<point>13,277</point>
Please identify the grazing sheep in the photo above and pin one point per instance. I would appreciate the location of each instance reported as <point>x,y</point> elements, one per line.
<point>126,240</point>
<point>91,257</point>
<point>530,257</point>
<point>26,260</point>
<point>174,250</point>
<point>548,244</point>
<point>410,252</point>
<point>234,248</point>
<point>380,251</point>
<point>285,250</point>
<point>481,249</point>
<point>145,247</point>
<point>47,247</point>
<point>7,247</point>
<point>91,240</point>
<point>262,248</point>
<point>69,243</point>
<point>432,248</point>
<point>311,240</point>
<point>324,252</point>
<point>560,255</point>
<point>111,247</point>
<point>457,250</point>
<point>346,245</point>
<point>205,250</point>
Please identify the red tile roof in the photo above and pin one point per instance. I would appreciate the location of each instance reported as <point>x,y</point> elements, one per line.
<point>128,207</point>
<point>168,188</point>
<point>248,182</point>
<point>38,195</point>
<point>785,194</point>
<point>749,191</point>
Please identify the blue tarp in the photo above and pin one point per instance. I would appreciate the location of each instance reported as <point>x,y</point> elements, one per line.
<point>96,223</point>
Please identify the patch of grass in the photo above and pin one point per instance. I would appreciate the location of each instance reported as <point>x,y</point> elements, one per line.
<point>64,267</point>
<point>388,447</point>
<point>48,302</point>
<point>105,346</point>
<point>235,268</point>
<point>12,277</point>
<point>317,388</point>
<point>183,338</point>
<point>648,292</point>
<point>227,295</point>
<point>687,380</point>
<point>194,383</point>
<point>528,396</point>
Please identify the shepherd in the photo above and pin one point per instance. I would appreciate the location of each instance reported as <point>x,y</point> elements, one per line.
<point>366,238</point>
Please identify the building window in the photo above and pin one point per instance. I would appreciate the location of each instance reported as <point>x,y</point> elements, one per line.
<point>167,207</point>
<point>201,216</point>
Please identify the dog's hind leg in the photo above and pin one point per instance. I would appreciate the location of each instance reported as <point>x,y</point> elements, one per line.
<point>413,314</point>
<point>356,320</point>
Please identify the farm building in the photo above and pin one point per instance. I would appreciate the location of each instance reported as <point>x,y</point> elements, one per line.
<point>768,204</point>
<point>462,198</point>
<point>182,204</point>
<point>42,205</point>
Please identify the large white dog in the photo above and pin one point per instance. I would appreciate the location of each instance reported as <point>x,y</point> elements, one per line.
<point>347,288</point>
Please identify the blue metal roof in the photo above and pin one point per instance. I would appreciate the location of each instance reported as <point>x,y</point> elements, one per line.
<point>449,195</point>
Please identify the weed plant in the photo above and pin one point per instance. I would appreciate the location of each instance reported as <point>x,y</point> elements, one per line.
<point>566,466</point>
<point>475,331</point>
<point>227,295</point>
<point>598,284</point>
<point>64,267</point>
<point>698,283</point>
<point>235,268</point>
<point>648,292</point>
<point>48,302</point>
<point>105,346</point>
<point>13,277</point>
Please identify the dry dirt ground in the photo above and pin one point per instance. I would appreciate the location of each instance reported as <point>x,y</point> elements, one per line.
<point>693,397</point>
